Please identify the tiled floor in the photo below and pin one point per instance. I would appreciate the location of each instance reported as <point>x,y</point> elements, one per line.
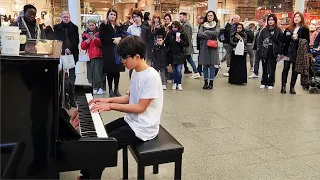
<point>240,132</point>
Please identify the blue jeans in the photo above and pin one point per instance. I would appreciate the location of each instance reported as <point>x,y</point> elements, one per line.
<point>190,60</point>
<point>205,72</point>
<point>177,75</point>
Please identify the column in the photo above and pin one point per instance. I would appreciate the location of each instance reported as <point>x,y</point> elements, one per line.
<point>213,5</point>
<point>75,12</point>
<point>299,5</point>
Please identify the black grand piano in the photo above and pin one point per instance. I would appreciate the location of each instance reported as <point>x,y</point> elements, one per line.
<point>36,141</point>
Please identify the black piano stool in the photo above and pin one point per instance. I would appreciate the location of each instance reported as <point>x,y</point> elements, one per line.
<point>163,149</point>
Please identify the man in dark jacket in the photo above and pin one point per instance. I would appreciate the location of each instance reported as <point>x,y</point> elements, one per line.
<point>230,29</point>
<point>262,23</point>
<point>68,33</point>
<point>200,22</point>
<point>317,41</point>
<point>28,24</point>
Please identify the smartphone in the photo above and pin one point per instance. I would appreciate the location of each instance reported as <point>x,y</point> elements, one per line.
<point>91,35</point>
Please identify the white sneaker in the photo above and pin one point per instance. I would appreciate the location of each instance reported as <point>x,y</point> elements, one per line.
<point>95,91</point>
<point>226,74</point>
<point>270,87</point>
<point>169,81</point>
<point>180,87</point>
<point>101,91</point>
<point>164,87</point>
<point>262,86</point>
<point>195,76</point>
<point>174,87</point>
<point>251,69</point>
<point>253,76</point>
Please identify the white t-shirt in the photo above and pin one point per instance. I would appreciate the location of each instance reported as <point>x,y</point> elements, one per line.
<point>134,30</point>
<point>146,85</point>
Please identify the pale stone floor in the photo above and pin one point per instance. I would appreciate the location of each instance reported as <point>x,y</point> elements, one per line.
<point>240,132</point>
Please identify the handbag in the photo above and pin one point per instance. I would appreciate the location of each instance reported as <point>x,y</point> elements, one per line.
<point>83,56</point>
<point>212,43</point>
<point>67,61</point>
<point>240,48</point>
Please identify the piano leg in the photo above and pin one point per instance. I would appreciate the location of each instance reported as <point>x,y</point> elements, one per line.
<point>96,174</point>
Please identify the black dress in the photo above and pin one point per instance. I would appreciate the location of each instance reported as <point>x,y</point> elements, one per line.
<point>238,64</point>
<point>107,32</point>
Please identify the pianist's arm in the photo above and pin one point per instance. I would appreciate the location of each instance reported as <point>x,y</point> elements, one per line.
<point>139,108</point>
<point>117,100</point>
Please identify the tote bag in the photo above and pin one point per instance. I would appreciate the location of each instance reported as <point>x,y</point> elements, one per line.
<point>83,56</point>
<point>240,48</point>
<point>67,61</point>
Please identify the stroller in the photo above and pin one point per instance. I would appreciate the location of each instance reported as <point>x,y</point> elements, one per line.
<point>314,81</point>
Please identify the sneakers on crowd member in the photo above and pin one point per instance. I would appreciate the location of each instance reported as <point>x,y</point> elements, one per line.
<point>174,87</point>
<point>263,86</point>
<point>251,69</point>
<point>195,76</point>
<point>164,87</point>
<point>270,87</point>
<point>180,87</point>
<point>253,76</point>
<point>101,92</point>
<point>95,91</point>
<point>226,74</point>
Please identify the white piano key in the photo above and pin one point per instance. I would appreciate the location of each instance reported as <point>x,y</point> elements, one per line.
<point>98,123</point>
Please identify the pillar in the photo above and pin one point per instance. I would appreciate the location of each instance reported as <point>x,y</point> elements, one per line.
<point>299,5</point>
<point>75,12</point>
<point>213,5</point>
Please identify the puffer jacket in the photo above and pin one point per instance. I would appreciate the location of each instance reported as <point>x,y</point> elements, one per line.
<point>94,47</point>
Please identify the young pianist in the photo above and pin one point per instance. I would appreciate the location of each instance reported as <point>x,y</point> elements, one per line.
<point>143,104</point>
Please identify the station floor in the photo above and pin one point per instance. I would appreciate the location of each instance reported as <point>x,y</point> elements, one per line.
<point>235,132</point>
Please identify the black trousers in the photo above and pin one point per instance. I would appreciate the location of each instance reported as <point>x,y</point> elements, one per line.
<point>285,73</point>
<point>269,69</point>
<point>120,130</point>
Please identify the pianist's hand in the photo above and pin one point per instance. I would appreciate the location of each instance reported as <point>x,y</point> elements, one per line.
<point>74,120</point>
<point>101,107</point>
<point>99,100</point>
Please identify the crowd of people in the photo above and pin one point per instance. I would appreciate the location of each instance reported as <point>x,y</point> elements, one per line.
<point>170,47</point>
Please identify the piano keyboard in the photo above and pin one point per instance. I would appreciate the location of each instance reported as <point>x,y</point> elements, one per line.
<point>91,124</point>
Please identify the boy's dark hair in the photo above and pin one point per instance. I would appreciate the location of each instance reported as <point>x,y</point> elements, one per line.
<point>184,14</point>
<point>138,13</point>
<point>131,46</point>
<point>146,16</point>
<point>28,6</point>
<point>160,36</point>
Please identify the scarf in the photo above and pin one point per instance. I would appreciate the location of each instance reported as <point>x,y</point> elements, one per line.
<point>33,29</point>
<point>211,25</point>
<point>302,61</point>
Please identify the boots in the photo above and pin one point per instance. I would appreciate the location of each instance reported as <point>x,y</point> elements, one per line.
<point>206,85</point>
<point>292,91</point>
<point>210,85</point>
<point>117,93</point>
<point>283,89</point>
<point>111,94</point>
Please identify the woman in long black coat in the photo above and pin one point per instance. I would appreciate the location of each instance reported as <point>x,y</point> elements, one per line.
<point>110,35</point>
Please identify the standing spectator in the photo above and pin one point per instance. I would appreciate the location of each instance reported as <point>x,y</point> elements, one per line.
<point>238,63</point>
<point>92,44</point>
<point>229,29</point>
<point>159,58</point>
<point>27,23</point>
<point>139,29</point>
<point>189,50</point>
<point>291,38</point>
<point>268,50</point>
<point>314,35</point>
<point>250,38</point>
<point>167,27</point>
<point>110,35</point>
<point>176,41</point>
<point>156,29</point>
<point>262,24</point>
<point>209,57</point>
<point>149,42</point>
<point>68,33</point>
<point>200,21</point>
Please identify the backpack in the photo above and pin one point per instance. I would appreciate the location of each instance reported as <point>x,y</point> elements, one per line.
<point>222,37</point>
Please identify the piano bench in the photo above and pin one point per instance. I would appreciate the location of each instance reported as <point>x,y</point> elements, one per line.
<point>162,149</point>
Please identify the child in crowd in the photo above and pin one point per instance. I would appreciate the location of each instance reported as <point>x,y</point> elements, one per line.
<point>143,104</point>
<point>159,59</point>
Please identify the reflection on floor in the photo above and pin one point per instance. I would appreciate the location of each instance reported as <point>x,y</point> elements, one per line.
<point>236,132</point>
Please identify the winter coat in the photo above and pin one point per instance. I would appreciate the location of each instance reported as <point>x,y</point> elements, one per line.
<point>94,47</point>
<point>263,43</point>
<point>317,41</point>
<point>256,38</point>
<point>187,27</point>
<point>73,35</point>
<point>289,45</point>
<point>228,31</point>
<point>34,29</point>
<point>176,53</point>
<point>250,36</point>
<point>159,56</point>
<point>208,56</point>
<point>107,32</point>
<point>234,41</point>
